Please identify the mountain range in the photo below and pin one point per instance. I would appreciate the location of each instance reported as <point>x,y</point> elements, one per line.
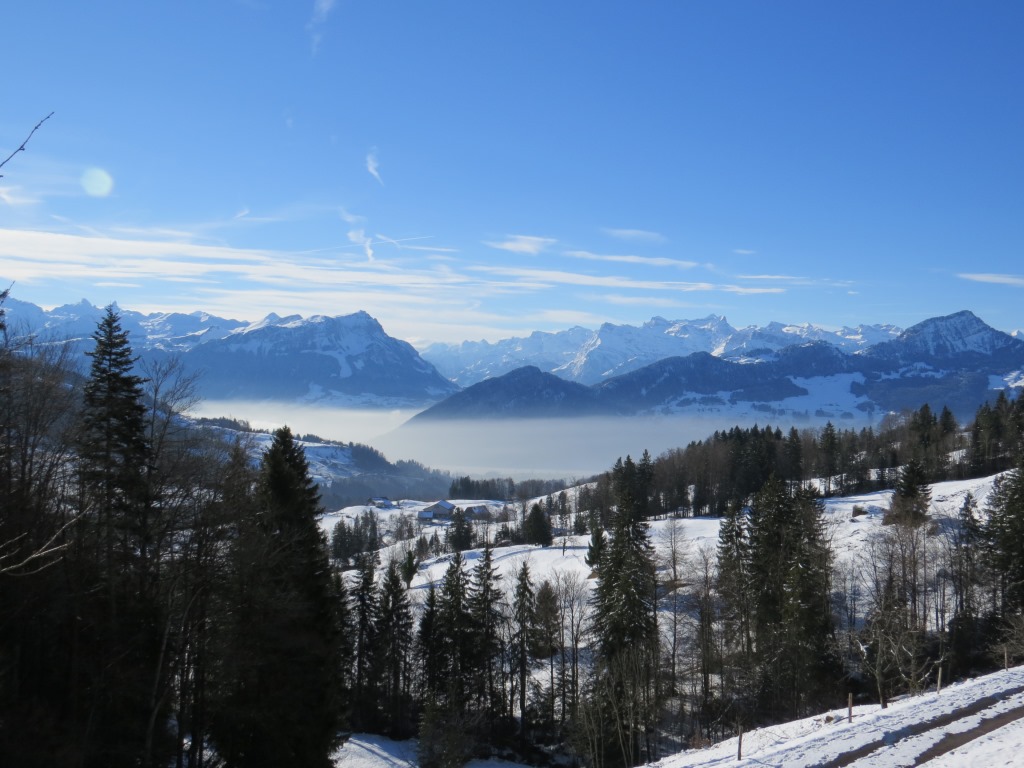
<point>956,361</point>
<point>592,356</point>
<point>707,367</point>
<point>346,360</point>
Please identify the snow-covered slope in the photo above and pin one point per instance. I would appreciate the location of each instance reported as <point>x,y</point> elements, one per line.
<point>976,723</point>
<point>931,725</point>
<point>914,729</point>
<point>850,534</point>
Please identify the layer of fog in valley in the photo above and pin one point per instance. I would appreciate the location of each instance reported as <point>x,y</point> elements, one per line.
<point>541,448</point>
<point>347,425</point>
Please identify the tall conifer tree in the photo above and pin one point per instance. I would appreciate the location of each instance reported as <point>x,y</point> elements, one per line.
<point>279,697</point>
<point>119,521</point>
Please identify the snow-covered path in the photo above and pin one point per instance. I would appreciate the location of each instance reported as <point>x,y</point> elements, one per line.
<point>897,736</point>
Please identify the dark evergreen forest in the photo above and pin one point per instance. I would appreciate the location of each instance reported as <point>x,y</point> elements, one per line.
<point>167,600</point>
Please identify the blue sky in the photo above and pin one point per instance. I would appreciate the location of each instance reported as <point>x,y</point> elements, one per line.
<point>467,170</point>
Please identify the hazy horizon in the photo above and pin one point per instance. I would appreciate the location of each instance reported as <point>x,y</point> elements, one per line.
<point>565,448</point>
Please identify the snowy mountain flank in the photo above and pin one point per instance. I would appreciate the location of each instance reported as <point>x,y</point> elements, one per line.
<point>342,361</point>
<point>799,373</point>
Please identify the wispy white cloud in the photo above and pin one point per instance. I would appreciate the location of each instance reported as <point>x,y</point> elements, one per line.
<point>744,289</point>
<point>649,261</point>
<point>522,244</point>
<point>430,248</point>
<point>373,166</point>
<point>28,256</point>
<point>165,268</point>
<point>566,317</point>
<point>645,300</point>
<point>349,218</point>
<point>389,240</point>
<point>744,252</point>
<point>163,233</point>
<point>359,237</point>
<point>635,235</point>
<point>1017,281</point>
<point>559,277</point>
<point>798,280</point>
<point>13,196</point>
<point>321,10</point>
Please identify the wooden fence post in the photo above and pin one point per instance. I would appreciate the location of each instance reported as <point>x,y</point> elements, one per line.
<point>938,685</point>
<point>739,745</point>
<point>849,706</point>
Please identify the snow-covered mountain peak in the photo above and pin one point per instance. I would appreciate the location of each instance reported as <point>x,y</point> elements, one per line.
<point>952,336</point>
<point>273,319</point>
<point>956,333</point>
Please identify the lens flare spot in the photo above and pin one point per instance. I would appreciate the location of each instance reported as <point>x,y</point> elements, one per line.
<point>97,183</point>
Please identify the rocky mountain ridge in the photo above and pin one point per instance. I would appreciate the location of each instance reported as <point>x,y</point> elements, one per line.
<point>592,356</point>
<point>956,361</point>
<point>700,366</point>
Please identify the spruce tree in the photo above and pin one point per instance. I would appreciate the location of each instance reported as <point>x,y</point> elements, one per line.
<point>734,581</point>
<point>538,527</point>
<point>625,620</point>
<point>546,640</point>
<point>454,634</point>
<point>278,697</point>
<point>910,500</point>
<point>524,620</point>
<point>966,545</point>
<point>791,563</point>
<point>392,654</point>
<point>428,647</point>
<point>485,612</point>
<point>119,522</point>
<point>1004,533</point>
<point>364,619</point>
<point>596,547</point>
<point>459,534</point>
<point>114,458</point>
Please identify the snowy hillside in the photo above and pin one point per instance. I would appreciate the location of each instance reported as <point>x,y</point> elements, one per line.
<point>850,533</point>
<point>975,723</point>
<point>969,723</point>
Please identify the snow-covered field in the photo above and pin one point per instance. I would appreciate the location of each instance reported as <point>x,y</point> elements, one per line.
<point>850,534</point>
<point>925,729</point>
<point>902,735</point>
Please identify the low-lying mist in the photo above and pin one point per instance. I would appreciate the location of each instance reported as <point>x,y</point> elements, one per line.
<point>348,425</point>
<point>540,448</point>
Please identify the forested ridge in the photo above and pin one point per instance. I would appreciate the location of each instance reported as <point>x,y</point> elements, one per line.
<point>166,601</point>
